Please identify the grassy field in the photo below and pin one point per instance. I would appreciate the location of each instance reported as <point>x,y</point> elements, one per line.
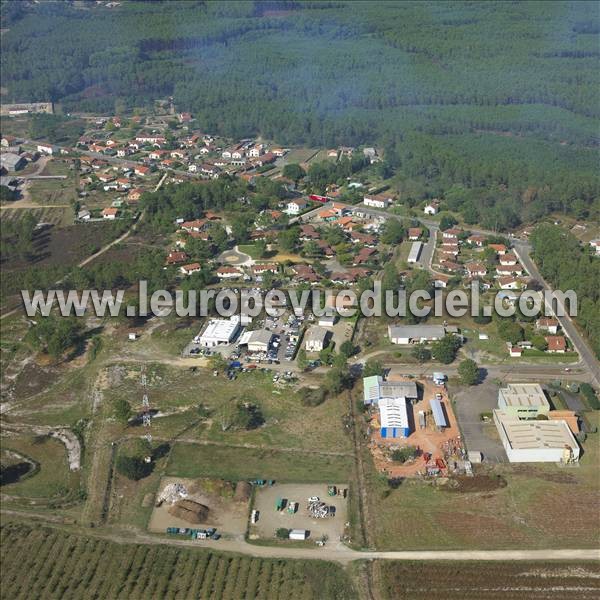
<point>178,392</point>
<point>491,580</point>
<point>59,217</point>
<point>45,563</point>
<point>529,512</point>
<point>53,480</point>
<point>192,460</point>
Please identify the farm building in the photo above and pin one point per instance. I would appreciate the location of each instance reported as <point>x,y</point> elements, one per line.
<point>219,332</point>
<point>393,418</point>
<point>11,161</point>
<point>415,252</point>
<point>523,400</point>
<point>536,441</point>
<point>414,334</point>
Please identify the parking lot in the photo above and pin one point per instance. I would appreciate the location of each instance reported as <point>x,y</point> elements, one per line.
<point>270,519</point>
<point>477,434</point>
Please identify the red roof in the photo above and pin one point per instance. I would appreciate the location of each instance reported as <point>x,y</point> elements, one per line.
<point>556,343</point>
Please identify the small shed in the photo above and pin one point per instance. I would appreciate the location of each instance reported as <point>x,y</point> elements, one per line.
<point>439,415</point>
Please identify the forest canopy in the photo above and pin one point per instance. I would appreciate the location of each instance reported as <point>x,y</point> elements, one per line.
<point>500,96</point>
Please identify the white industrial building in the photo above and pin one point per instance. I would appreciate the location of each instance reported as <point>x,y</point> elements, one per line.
<point>523,400</point>
<point>536,440</point>
<point>415,252</point>
<point>414,334</point>
<point>219,332</point>
<point>375,388</point>
<point>393,418</point>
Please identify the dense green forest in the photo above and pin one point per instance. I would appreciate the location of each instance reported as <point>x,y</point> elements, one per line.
<point>500,98</point>
<point>568,266</point>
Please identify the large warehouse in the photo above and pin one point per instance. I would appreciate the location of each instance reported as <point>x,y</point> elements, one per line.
<point>536,440</point>
<point>393,418</point>
<point>523,400</point>
<point>219,332</point>
<point>374,388</point>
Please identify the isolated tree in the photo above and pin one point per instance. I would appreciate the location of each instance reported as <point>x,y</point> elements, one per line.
<point>393,232</point>
<point>445,350</point>
<point>372,367</point>
<point>347,348</point>
<point>468,372</point>
<point>294,171</point>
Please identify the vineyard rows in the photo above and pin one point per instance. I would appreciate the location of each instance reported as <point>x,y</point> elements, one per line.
<point>46,563</point>
<point>56,216</point>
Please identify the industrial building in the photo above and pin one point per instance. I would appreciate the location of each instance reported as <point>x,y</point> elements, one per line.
<point>258,340</point>
<point>219,332</point>
<point>393,418</point>
<point>536,440</point>
<point>375,388</point>
<point>415,334</point>
<point>415,252</point>
<point>523,400</point>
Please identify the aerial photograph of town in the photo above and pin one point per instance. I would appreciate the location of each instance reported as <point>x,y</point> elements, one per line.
<point>300,299</point>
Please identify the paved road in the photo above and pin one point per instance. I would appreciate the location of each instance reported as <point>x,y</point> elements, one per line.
<point>587,356</point>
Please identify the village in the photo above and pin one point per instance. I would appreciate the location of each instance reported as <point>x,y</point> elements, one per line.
<point>343,234</point>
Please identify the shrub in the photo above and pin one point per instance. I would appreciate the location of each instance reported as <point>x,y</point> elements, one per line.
<point>590,396</point>
<point>133,467</point>
<point>282,533</point>
<point>312,396</point>
<point>403,454</point>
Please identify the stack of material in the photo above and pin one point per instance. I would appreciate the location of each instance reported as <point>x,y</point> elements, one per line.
<point>172,493</point>
<point>190,511</point>
<point>242,491</point>
<point>318,510</point>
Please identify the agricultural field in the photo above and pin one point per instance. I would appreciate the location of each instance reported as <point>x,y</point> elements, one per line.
<point>490,580</point>
<point>45,563</point>
<point>504,506</point>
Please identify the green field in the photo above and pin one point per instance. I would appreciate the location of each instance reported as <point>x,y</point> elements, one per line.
<point>45,563</point>
<point>190,460</point>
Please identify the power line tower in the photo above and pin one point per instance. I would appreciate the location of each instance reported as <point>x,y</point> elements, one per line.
<point>146,411</point>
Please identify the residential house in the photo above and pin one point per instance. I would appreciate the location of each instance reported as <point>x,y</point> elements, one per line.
<point>176,257</point>
<point>557,344</point>
<point>226,272</point>
<point>364,255</point>
<point>191,268</point>
<point>499,248</point>
<point>261,269</point>
<point>476,240</point>
<point>451,267</point>
<point>110,213</point>
<point>211,171</point>
<point>195,225</point>
<point>305,273</point>
<point>363,238</point>
<point>415,233</point>
<point>432,208</point>
<point>134,195</point>
<point>503,271</point>
<point>440,281</point>
<point>47,149</point>
<point>595,245</point>
<point>308,232</point>
<point>325,247</point>
<point>508,259</point>
<point>451,234</point>
<point>295,207</point>
<point>475,269</point>
<point>549,324</point>
<point>510,283</point>
<point>141,171</point>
